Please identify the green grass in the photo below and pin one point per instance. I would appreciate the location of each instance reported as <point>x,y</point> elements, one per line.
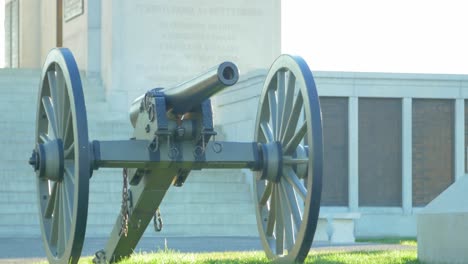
<point>405,241</point>
<point>316,257</point>
<point>169,256</point>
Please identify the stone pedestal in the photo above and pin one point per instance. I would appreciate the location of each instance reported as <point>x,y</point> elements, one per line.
<point>443,226</point>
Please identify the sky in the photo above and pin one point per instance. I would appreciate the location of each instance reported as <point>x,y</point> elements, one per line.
<point>411,36</point>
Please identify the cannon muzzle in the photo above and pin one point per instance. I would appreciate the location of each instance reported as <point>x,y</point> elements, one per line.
<point>184,97</point>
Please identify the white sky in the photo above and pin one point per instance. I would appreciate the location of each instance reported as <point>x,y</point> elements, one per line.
<point>378,36</point>
<point>375,36</point>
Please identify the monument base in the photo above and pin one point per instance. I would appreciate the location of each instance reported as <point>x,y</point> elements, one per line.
<point>443,226</point>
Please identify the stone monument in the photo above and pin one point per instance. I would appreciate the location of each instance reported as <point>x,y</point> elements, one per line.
<point>443,226</point>
<point>159,43</point>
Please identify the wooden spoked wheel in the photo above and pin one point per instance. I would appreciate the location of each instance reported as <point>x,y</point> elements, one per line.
<point>288,203</point>
<point>61,158</point>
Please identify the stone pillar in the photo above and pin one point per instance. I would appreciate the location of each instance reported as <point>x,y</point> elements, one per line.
<point>459,138</point>
<point>29,34</point>
<point>353,153</point>
<point>407,147</point>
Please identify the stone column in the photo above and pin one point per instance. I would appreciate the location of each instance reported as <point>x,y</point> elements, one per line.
<point>459,138</point>
<point>353,153</point>
<point>407,147</point>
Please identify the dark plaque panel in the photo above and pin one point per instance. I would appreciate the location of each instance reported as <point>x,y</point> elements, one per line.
<point>380,150</point>
<point>433,148</point>
<point>72,9</point>
<point>335,136</point>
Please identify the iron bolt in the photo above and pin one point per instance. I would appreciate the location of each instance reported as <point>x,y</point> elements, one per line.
<point>34,160</point>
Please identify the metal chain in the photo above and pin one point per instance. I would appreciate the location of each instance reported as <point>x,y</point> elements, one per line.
<point>124,209</point>
<point>157,221</point>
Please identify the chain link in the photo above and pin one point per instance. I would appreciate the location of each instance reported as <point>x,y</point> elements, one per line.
<point>157,221</point>
<point>124,208</point>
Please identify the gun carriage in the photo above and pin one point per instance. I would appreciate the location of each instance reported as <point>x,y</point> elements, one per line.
<point>173,134</point>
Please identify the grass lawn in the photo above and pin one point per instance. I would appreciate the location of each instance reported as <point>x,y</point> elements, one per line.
<point>317,257</point>
<point>407,256</point>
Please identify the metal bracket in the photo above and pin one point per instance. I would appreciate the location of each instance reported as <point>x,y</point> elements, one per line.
<point>157,221</point>
<point>130,202</point>
<point>155,104</point>
<point>100,257</point>
<point>182,175</point>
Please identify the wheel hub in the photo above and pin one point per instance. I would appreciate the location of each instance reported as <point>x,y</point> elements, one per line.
<point>272,162</point>
<point>47,160</point>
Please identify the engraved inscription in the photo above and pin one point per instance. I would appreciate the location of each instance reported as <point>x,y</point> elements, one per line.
<point>192,37</point>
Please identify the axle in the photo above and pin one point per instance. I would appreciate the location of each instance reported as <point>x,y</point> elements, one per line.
<point>184,155</point>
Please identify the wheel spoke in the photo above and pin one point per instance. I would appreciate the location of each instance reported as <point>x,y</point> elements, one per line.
<point>288,103</point>
<point>296,139</point>
<point>266,194</point>
<point>61,226</point>
<point>68,191</point>
<point>280,91</point>
<point>266,129</point>
<point>288,226</point>
<point>66,216</point>
<point>68,130</point>
<point>52,79</point>
<point>272,215</point>
<point>292,119</point>
<point>70,170</point>
<point>272,103</point>
<point>279,227</point>
<point>292,178</point>
<point>51,202</point>
<point>55,219</point>
<point>66,114</point>
<point>292,203</point>
<point>69,150</point>
<point>45,137</point>
<point>49,109</point>
<point>61,97</point>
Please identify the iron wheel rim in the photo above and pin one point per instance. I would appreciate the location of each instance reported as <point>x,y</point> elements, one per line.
<point>60,110</point>
<point>288,79</point>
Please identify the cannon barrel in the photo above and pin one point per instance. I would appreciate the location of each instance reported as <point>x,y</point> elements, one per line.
<point>185,96</point>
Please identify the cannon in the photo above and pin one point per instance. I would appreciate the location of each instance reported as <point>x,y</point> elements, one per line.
<point>174,134</point>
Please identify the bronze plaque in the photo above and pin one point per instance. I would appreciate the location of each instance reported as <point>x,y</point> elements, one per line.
<point>433,148</point>
<point>380,152</point>
<point>72,9</point>
<point>335,147</point>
